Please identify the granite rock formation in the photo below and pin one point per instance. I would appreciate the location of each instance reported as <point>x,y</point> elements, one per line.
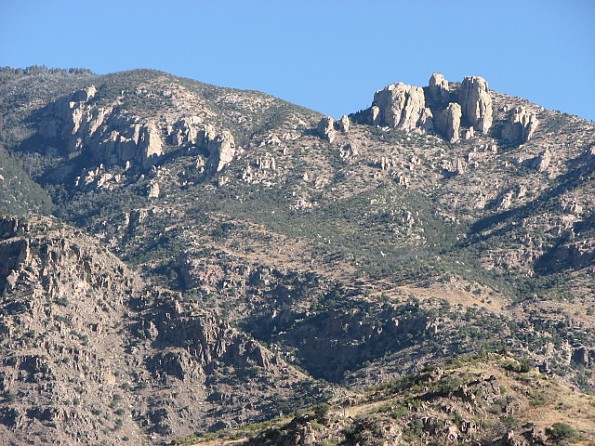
<point>520,126</point>
<point>439,91</point>
<point>401,106</point>
<point>449,122</point>
<point>476,103</point>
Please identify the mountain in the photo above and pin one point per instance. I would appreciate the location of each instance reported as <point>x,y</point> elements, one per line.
<point>246,256</point>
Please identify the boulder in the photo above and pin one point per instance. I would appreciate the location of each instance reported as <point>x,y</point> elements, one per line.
<point>468,133</point>
<point>153,190</point>
<point>476,103</point>
<point>375,115</point>
<point>349,151</point>
<point>344,124</point>
<point>449,122</point>
<point>439,92</point>
<point>401,106</point>
<point>326,128</point>
<point>504,202</point>
<point>520,126</point>
<point>510,439</point>
<point>541,162</point>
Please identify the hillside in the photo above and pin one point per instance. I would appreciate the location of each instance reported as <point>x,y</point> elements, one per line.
<point>490,400</point>
<point>92,354</point>
<point>441,221</point>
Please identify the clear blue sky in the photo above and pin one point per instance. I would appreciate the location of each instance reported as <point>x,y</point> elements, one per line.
<point>327,55</point>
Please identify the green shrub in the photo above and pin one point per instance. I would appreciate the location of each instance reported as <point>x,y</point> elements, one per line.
<point>560,433</point>
<point>321,410</point>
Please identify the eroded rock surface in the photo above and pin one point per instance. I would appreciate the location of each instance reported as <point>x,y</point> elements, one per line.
<point>476,103</point>
<point>449,122</point>
<point>326,128</point>
<point>221,148</point>
<point>401,106</point>
<point>520,126</point>
<point>73,313</point>
<point>439,90</point>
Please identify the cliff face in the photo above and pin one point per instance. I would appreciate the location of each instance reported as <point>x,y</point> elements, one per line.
<point>92,355</point>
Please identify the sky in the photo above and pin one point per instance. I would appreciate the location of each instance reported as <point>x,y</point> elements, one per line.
<point>327,55</point>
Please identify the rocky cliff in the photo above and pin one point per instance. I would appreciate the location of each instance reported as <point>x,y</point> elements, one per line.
<point>93,355</point>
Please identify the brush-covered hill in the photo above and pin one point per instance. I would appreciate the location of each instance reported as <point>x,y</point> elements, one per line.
<point>492,400</point>
<point>443,220</point>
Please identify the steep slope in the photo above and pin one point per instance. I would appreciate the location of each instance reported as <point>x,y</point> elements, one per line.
<point>19,194</point>
<point>93,355</point>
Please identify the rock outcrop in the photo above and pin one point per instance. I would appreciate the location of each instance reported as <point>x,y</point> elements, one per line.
<point>221,148</point>
<point>153,190</point>
<point>476,103</point>
<point>439,91</point>
<point>520,126</point>
<point>104,133</point>
<point>85,94</point>
<point>111,137</point>
<point>326,128</point>
<point>150,144</point>
<point>541,162</point>
<point>349,151</point>
<point>406,107</point>
<point>344,124</point>
<point>449,122</point>
<point>185,131</point>
<point>401,106</point>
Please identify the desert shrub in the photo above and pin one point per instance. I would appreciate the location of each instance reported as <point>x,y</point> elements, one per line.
<point>560,433</point>
<point>321,410</point>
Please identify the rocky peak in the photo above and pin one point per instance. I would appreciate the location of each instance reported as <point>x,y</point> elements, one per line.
<point>476,103</point>
<point>401,106</point>
<point>434,108</point>
<point>439,91</point>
